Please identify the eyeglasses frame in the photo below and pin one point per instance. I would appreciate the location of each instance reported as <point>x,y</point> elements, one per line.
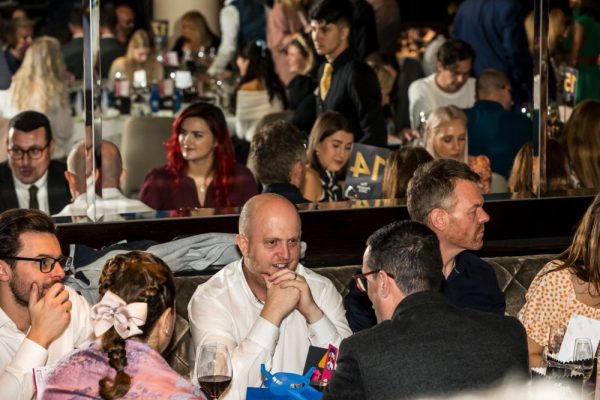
<point>28,152</point>
<point>361,284</point>
<point>66,263</point>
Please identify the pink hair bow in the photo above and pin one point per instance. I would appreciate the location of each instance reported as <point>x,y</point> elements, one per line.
<point>113,311</point>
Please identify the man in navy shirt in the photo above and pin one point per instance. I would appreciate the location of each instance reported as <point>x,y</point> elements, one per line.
<point>445,195</point>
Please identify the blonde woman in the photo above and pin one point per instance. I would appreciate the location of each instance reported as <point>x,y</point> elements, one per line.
<point>446,138</point>
<point>195,35</point>
<point>140,56</point>
<point>40,85</point>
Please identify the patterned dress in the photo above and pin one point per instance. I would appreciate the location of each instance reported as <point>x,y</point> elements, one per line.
<point>77,375</point>
<point>551,300</point>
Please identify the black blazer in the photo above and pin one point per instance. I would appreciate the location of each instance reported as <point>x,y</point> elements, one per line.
<point>58,189</point>
<point>429,348</point>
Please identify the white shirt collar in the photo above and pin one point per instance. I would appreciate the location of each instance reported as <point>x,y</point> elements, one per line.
<point>23,186</point>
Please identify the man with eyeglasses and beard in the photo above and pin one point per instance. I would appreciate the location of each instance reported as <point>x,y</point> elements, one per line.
<point>41,320</point>
<point>29,178</point>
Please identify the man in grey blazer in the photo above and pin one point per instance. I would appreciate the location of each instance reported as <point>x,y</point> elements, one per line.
<point>423,345</point>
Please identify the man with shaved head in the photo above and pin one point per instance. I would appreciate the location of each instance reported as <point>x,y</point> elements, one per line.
<point>267,308</point>
<point>494,130</point>
<point>109,170</point>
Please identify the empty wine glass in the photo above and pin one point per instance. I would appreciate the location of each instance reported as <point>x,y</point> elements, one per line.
<point>583,357</point>
<point>213,369</point>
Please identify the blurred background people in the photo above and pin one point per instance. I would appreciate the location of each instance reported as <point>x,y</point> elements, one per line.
<point>400,166</point>
<point>581,138</point>
<point>584,48</point>
<point>446,139</point>
<point>286,20</point>
<point>195,36</point>
<point>241,22</point>
<point>110,47</point>
<point>125,23</point>
<point>140,56</point>
<point>134,323</point>
<point>201,170</point>
<point>301,60</point>
<point>19,34</point>
<point>260,92</point>
<point>494,130</point>
<point>329,148</point>
<point>495,31</point>
<point>450,85</point>
<point>524,179</point>
<point>40,84</point>
<point>72,51</point>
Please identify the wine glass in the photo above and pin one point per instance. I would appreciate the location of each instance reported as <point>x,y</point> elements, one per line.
<point>555,338</point>
<point>213,369</point>
<point>583,357</point>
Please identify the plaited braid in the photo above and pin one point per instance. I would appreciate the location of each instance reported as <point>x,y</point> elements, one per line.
<point>135,277</point>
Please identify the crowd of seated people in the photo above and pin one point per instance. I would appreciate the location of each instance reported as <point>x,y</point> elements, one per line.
<point>421,290</point>
<point>428,297</point>
<point>316,77</point>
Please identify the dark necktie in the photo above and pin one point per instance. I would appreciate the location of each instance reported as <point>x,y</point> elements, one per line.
<point>33,201</point>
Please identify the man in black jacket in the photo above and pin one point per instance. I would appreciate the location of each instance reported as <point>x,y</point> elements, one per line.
<point>29,178</point>
<point>346,85</point>
<point>423,345</point>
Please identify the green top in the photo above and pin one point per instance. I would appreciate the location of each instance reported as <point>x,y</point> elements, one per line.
<point>591,35</point>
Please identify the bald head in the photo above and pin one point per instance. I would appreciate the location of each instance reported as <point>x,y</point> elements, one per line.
<point>264,205</point>
<point>112,165</point>
<point>79,165</point>
<point>495,86</point>
<point>76,165</point>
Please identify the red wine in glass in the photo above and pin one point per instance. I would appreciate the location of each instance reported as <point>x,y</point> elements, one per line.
<point>214,385</point>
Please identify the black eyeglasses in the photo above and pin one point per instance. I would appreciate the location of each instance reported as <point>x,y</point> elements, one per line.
<point>33,153</point>
<point>360,280</point>
<point>47,264</point>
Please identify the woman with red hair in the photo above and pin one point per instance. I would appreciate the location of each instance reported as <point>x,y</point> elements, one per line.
<point>201,170</point>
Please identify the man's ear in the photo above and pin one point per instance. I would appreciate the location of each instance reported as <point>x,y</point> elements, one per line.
<point>5,271</point>
<point>296,174</point>
<point>438,219</point>
<point>385,284</point>
<point>72,182</point>
<point>345,31</point>
<point>242,242</point>
<point>438,66</point>
<point>122,177</point>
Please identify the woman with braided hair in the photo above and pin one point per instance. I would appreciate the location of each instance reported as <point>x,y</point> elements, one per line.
<point>134,323</point>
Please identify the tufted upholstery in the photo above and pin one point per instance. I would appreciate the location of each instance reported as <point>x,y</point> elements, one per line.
<point>514,276</point>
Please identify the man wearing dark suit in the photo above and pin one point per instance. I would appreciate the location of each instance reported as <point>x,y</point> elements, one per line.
<point>73,50</point>
<point>110,47</point>
<point>423,345</point>
<point>346,84</point>
<point>29,178</point>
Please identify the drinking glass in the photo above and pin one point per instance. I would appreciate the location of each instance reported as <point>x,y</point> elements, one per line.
<point>583,357</point>
<point>213,369</point>
<point>555,338</point>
